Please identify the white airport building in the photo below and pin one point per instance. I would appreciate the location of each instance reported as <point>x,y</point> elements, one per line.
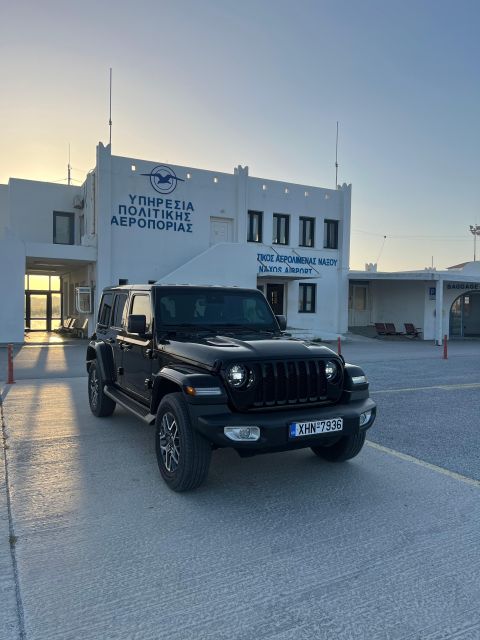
<point>439,303</point>
<point>140,221</point>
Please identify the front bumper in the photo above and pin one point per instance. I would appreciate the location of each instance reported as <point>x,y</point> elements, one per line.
<point>210,421</point>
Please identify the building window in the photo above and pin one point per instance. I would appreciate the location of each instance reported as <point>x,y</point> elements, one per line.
<point>307,232</point>
<point>280,228</point>
<point>42,283</point>
<point>330,240</point>
<point>306,298</point>
<point>63,227</point>
<point>255,224</point>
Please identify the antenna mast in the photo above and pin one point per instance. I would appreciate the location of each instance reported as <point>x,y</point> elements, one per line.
<point>110,112</point>
<point>336,160</point>
<point>69,167</point>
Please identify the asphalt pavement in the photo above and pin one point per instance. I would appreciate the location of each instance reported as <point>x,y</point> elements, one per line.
<point>281,546</point>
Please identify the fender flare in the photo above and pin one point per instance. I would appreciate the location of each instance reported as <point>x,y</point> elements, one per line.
<point>170,380</point>
<point>104,358</point>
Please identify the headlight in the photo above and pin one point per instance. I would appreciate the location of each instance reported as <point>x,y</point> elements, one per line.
<point>331,370</point>
<point>365,418</point>
<point>237,375</point>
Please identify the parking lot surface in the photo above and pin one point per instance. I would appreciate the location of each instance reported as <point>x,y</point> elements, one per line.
<point>278,546</point>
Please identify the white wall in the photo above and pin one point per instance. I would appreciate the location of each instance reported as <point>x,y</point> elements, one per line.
<point>332,282</point>
<point>398,301</point>
<point>12,288</point>
<point>4,210</point>
<point>429,316</point>
<point>32,205</point>
<point>142,254</point>
<point>319,203</point>
<point>236,260</point>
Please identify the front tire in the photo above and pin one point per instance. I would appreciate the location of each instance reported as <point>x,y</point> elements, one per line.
<point>344,449</point>
<point>100,404</point>
<point>183,455</point>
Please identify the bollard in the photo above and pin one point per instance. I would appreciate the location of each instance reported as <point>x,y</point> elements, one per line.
<point>445,348</point>
<point>339,346</point>
<point>10,379</point>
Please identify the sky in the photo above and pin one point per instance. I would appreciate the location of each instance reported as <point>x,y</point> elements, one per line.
<point>216,83</point>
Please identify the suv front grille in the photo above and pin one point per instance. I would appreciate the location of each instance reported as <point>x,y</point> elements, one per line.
<point>284,382</point>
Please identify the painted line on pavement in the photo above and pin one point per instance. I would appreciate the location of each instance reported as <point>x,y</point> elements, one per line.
<point>445,387</point>
<point>425,465</point>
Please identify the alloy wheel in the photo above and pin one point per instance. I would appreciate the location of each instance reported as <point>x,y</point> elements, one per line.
<point>169,441</point>
<point>94,388</point>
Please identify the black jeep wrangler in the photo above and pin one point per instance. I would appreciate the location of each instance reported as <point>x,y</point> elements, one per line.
<point>211,368</point>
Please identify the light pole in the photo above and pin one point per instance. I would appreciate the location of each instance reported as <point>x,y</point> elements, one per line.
<point>475,231</point>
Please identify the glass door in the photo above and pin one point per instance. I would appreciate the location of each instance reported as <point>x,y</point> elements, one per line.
<point>36,311</point>
<point>55,315</point>
<point>43,302</point>
<point>43,311</point>
<point>456,318</point>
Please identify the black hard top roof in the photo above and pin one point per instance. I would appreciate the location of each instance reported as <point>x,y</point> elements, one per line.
<point>149,287</point>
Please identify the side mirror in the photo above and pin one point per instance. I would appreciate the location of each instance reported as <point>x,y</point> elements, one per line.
<point>282,322</point>
<point>137,324</point>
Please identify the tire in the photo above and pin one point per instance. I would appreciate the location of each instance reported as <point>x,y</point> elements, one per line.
<point>344,449</point>
<point>183,455</point>
<point>100,404</point>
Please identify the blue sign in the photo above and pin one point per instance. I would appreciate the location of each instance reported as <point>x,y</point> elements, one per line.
<point>292,264</point>
<point>161,214</point>
<point>163,179</point>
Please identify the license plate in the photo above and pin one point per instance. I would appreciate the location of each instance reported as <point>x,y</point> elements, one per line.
<point>315,427</point>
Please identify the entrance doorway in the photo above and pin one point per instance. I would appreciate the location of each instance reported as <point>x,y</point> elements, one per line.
<point>43,303</point>
<point>465,316</point>
<point>275,297</point>
<point>359,305</point>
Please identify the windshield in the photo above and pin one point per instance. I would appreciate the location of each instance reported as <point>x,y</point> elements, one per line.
<point>203,308</point>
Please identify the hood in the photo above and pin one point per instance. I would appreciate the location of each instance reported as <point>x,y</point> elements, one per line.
<point>212,350</point>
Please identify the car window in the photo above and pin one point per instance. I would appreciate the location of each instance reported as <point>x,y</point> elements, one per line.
<point>105,309</point>
<point>141,307</point>
<point>118,307</point>
<point>200,307</point>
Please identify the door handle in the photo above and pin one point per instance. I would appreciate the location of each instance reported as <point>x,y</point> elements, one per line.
<point>125,347</point>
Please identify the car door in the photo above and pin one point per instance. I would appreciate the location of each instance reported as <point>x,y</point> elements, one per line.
<point>104,331</point>
<point>117,330</point>
<point>137,350</point>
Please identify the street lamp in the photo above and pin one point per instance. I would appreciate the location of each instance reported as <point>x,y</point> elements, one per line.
<point>475,231</point>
